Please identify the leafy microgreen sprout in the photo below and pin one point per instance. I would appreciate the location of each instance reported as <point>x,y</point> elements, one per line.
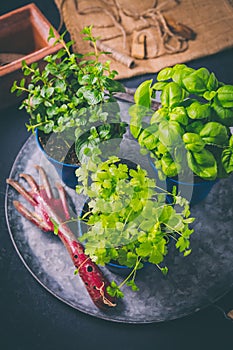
<point>128,218</point>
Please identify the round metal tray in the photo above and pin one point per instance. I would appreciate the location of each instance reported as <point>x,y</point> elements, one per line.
<point>192,283</point>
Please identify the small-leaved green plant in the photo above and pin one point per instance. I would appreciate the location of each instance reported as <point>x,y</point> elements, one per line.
<point>128,218</point>
<point>69,92</point>
<point>191,129</point>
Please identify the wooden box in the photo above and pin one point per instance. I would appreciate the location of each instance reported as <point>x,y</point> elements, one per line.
<point>23,36</point>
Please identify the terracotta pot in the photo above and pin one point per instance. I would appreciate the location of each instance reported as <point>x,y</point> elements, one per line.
<point>23,36</point>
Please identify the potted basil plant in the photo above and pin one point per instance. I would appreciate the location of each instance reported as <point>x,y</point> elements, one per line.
<point>66,99</point>
<point>188,137</point>
<point>128,220</point>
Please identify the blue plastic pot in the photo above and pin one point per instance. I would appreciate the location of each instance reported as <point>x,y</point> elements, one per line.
<point>118,269</point>
<point>123,270</point>
<point>65,171</point>
<point>194,191</point>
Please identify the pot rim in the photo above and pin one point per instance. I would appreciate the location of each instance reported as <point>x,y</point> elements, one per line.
<point>51,158</point>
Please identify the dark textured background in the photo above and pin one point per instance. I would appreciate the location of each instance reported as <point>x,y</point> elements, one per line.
<point>31,318</point>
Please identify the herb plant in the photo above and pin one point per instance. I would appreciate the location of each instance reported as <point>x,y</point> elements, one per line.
<point>128,218</point>
<point>191,129</point>
<point>101,140</point>
<point>68,93</point>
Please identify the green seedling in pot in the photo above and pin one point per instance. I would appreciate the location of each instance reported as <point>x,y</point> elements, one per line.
<point>68,95</point>
<point>191,128</point>
<point>128,219</point>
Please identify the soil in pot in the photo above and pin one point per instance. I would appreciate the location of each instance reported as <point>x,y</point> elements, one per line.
<point>58,148</point>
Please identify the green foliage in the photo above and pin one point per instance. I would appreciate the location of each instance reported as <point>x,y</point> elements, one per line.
<point>142,95</point>
<point>129,220</point>
<point>192,126</point>
<point>59,95</point>
<point>225,96</point>
<point>203,163</point>
<point>100,138</point>
<point>214,133</point>
<point>227,157</point>
<point>193,142</point>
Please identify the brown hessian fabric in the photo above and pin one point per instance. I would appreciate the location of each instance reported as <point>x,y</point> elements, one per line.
<point>146,36</point>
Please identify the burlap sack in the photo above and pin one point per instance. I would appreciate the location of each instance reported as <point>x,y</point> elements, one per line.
<point>150,34</point>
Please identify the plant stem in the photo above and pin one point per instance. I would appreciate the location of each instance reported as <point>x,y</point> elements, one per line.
<point>172,229</point>
<point>33,127</point>
<point>96,50</point>
<point>127,219</point>
<point>133,272</point>
<point>22,89</point>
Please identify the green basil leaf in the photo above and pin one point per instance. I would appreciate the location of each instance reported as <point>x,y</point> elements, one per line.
<point>195,127</point>
<point>227,159</point>
<point>169,166</point>
<point>225,96</point>
<point>212,83</point>
<point>209,95</point>
<point>143,93</point>
<point>149,137</point>
<point>159,115</point>
<point>172,94</point>
<point>203,164</point>
<point>198,111</point>
<point>193,142</point>
<point>150,142</point>
<point>161,149</point>
<point>85,79</point>
<point>197,81</point>
<point>159,85</point>
<point>180,71</point>
<point>179,115</point>
<point>170,133</point>
<point>165,74</point>
<point>203,74</point>
<point>217,153</point>
<point>223,115</point>
<point>214,133</point>
<point>231,141</point>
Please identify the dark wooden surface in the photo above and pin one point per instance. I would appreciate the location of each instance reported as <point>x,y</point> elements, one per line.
<point>31,318</point>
